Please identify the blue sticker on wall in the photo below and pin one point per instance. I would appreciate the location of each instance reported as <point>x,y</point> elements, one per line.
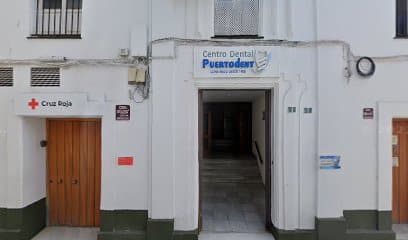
<point>330,162</point>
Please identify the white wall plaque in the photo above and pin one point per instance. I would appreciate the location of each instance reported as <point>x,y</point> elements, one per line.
<point>44,104</point>
<point>235,62</point>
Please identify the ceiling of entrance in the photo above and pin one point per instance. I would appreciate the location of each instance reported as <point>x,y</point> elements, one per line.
<point>231,96</point>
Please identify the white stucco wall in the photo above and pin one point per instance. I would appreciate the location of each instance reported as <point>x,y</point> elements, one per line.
<point>164,179</point>
<point>122,187</point>
<point>106,28</point>
<point>343,131</point>
<point>365,180</point>
<point>293,206</point>
<point>34,160</point>
<point>367,26</point>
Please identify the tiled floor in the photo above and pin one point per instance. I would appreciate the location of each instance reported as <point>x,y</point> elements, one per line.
<point>401,230</point>
<point>65,233</point>
<point>235,236</point>
<point>233,196</point>
<point>233,204</point>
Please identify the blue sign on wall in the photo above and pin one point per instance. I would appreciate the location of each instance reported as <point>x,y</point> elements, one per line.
<point>235,62</point>
<point>330,162</point>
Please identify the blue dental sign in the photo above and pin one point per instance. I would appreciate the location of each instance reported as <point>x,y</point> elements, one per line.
<point>330,162</point>
<point>228,64</point>
<point>234,62</point>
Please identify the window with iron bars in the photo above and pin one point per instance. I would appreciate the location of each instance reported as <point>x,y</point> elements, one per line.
<point>236,18</point>
<point>57,19</point>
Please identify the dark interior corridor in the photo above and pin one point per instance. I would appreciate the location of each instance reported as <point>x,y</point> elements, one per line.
<point>232,189</point>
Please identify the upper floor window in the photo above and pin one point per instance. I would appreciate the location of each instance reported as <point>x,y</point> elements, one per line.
<point>402,20</point>
<point>58,19</point>
<point>236,18</point>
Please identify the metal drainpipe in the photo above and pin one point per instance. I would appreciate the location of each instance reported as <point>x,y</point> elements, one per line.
<point>149,30</point>
<point>317,97</point>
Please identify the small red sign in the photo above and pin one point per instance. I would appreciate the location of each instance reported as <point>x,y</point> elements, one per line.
<point>125,161</point>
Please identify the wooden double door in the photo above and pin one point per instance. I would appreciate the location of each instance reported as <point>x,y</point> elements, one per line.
<point>74,172</point>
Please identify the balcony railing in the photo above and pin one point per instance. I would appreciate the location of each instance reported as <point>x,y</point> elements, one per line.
<point>57,19</point>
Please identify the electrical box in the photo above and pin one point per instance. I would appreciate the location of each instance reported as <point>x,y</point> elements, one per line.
<point>136,76</point>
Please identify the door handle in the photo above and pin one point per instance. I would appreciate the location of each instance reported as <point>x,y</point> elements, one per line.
<point>75,181</point>
<point>51,181</point>
<point>60,181</point>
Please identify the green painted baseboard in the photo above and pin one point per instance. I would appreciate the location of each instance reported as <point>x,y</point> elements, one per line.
<point>185,235</point>
<point>331,228</point>
<point>24,223</point>
<point>368,219</point>
<point>160,229</point>
<point>135,225</point>
<point>123,224</point>
<point>355,225</point>
<point>123,220</point>
<point>293,235</point>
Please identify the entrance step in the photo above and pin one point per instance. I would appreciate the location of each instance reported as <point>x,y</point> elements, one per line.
<point>231,180</point>
<point>364,234</point>
<point>122,235</point>
<point>231,170</point>
<point>227,173</point>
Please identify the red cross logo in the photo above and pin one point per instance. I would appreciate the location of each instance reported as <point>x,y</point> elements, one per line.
<point>33,104</point>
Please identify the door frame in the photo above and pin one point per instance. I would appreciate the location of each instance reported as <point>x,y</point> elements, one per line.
<point>269,150</point>
<point>85,119</point>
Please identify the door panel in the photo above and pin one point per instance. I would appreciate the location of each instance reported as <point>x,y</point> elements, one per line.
<point>400,171</point>
<point>61,172</point>
<point>91,173</point>
<point>75,174</point>
<point>83,180</point>
<point>68,171</point>
<point>74,166</point>
<point>98,170</point>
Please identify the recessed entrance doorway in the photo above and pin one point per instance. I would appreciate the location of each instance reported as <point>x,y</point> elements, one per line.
<point>235,160</point>
<point>73,172</point>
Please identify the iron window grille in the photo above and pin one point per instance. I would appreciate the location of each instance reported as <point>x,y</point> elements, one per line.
<point>236,18</point>
<point>401,19</point>
<point>57,19</point>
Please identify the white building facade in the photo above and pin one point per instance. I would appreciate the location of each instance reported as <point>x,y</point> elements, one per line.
<point>331,138</point>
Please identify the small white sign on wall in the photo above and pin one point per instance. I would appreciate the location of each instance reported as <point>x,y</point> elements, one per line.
<point>44,104</point>
<point>235,62</point>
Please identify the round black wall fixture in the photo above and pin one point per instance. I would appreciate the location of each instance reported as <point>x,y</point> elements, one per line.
<point>365,67</point>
